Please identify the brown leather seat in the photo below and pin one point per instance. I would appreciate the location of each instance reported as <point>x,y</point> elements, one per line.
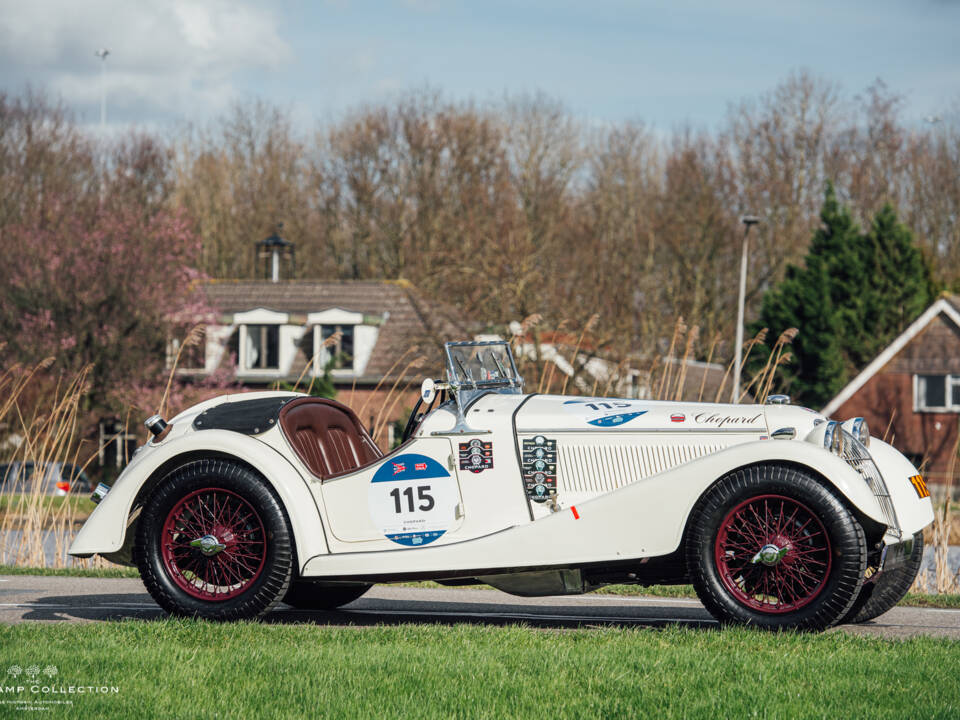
<point>327,436</point>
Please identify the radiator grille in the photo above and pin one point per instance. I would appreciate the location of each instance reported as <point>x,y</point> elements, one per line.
<point>598,467</point>
<point>858,457</point>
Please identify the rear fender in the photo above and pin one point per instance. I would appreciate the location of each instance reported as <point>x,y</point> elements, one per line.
<point>106,530</point>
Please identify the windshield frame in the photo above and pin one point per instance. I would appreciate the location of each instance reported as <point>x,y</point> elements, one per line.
<point>459,380</point>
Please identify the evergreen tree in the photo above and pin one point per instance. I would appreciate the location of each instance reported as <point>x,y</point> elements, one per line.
<point>902,285</point>
<point>803,300</point>
<point>855,293</point>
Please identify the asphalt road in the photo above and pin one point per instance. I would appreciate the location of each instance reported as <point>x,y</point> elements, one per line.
<point>28,598</point>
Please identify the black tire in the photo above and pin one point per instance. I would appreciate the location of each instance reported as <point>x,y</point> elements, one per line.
<point>877,597</point>
<point>821,546</point>
<point>307,595</point>
<point>185,580</point>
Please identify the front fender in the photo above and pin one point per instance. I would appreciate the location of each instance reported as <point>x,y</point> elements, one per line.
<point>913,512</point>
<point>697,476</point>
<point>106,529</point>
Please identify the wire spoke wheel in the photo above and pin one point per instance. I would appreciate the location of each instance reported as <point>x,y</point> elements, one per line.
<point>773,546</point>
<point>213,541</point>
<point>773,554</point>
<point>213,544</point>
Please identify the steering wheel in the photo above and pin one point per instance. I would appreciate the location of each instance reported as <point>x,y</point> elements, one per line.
<point>416,417</point>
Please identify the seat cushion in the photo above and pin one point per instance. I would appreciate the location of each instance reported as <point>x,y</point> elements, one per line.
<point>327,436</point>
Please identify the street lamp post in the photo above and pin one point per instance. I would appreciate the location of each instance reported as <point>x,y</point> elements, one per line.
<point>102,54</point>
<point>748,222</point>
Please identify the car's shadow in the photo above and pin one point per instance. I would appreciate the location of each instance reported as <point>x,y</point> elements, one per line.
<point>376,611</point>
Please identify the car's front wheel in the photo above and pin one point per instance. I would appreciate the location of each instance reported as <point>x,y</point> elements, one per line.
<point>213,541</point>
<point>770,546</point>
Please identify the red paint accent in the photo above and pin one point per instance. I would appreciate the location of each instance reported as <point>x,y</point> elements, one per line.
<point>678,417</point>
<point>797,579</point>
<point>576,515</point>
<point>235,523</point>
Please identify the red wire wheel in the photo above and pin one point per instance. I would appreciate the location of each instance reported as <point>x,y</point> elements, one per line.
<point>773,554</point>
<point>213,544</point>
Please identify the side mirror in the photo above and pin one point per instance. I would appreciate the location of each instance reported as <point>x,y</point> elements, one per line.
<point>428,390</point>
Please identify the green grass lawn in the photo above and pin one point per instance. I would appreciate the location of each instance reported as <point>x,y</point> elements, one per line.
<point>117,571</point>
<point>190,669</point>
<point>18,502</point>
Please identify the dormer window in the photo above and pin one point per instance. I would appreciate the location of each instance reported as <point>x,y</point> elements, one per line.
<point>350,345</point>
<point>262,347</point>
<point>261,342</point>
<point>340,351</point>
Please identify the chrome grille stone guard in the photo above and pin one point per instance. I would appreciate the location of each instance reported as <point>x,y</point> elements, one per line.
<point>858,457</point>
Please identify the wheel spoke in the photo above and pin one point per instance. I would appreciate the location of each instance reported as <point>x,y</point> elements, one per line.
<point>792,573</point>
<point>210,573</point>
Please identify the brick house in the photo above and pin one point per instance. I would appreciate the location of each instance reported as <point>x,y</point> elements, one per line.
<point>274,331</point>
<point>913,387</point>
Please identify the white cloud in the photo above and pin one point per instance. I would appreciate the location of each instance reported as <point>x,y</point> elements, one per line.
<point>166,57</point>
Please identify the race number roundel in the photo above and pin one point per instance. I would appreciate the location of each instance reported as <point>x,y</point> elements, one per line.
<point>413,499</point>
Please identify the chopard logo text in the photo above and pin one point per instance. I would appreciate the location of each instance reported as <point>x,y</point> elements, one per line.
<point>724,420</point>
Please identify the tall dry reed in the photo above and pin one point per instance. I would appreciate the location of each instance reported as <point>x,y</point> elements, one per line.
<point>37,526</point>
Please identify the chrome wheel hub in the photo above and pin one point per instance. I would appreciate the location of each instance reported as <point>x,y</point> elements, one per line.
<point>769,555</point>
<point>208,545</point>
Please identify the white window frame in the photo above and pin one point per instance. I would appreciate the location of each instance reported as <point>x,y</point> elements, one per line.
<point>259,316</point>
<point>950,381</point>
<point>318,363</point>
<point>333,317</point>
<point>244,363</point>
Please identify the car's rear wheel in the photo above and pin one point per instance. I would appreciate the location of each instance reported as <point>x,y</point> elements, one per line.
<point>307,595</point>
<point>770,546</point>
<point>882,594</point>
<point>214,542</point>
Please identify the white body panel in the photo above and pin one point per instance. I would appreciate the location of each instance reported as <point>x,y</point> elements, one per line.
<point>641,520</point>
<point>628,474</point>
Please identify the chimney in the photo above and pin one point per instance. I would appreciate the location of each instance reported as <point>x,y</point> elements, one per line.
<point>271,253</point>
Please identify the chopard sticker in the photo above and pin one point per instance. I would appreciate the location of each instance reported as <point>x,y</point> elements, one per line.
<point>412,499</point>
<point>719,420</point>
<point>603,413</point>
<point>539,464</point>
<point>476,456</point>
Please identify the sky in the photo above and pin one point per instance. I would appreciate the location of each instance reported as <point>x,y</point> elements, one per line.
<point>667,64</point>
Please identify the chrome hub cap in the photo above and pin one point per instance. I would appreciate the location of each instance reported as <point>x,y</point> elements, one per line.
<point>208,545</point>
<point>769,555</point>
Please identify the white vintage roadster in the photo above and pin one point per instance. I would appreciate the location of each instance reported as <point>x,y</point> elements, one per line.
<point>779,517</point>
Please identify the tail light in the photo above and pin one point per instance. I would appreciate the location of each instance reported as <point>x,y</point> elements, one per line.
<point>63,486</point>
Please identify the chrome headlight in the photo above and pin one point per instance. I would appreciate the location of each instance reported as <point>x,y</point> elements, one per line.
<point>859,429</point>
<point>833,437</point>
